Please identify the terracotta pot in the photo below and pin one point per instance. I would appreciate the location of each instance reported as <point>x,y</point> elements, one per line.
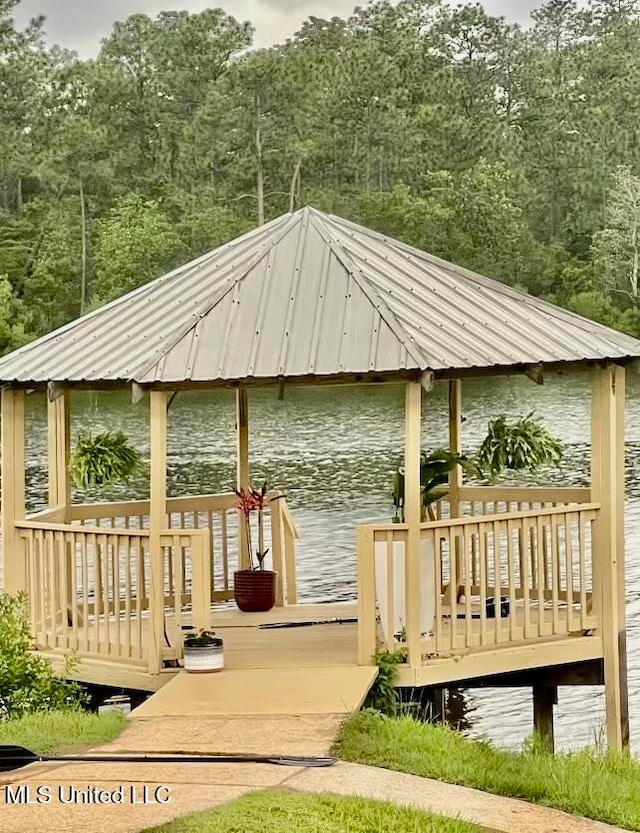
<point>254,590</point>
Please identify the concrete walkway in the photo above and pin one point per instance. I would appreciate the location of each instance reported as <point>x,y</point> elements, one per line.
<point>196,787</point>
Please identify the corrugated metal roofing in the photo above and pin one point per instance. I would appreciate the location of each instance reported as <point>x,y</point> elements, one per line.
<point>311,294</point>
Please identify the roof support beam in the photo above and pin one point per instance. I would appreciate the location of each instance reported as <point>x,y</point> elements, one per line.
<point>535,373</point>
<point>157,522</point>
<point>608,489</point>
<point>413,518</point>
<point>12,441</point>
<point>58,447</point>
<point>243,480</point>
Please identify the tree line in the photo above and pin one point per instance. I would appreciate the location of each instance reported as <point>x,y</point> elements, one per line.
<point>514,152</point>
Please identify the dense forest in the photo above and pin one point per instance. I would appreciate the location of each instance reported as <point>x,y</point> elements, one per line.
<point>512,151</point>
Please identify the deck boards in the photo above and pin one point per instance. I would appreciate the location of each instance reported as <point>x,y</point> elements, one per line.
<point>307,669</point>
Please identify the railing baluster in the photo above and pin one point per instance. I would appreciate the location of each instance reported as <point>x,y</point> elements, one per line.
<point>84,572</point>
<point>526,560</point>
<point>483,582</point>
<point>115,576</point>
<point>440,538</point>
<point>555,572</point>
<point>497,584</point>
<point>468,621</point>
<point>106,607</point>
<point>583,575</point>
<point>127,597</point>
<point>456,547</point>
<point>540,536</point>
<point>511,567</point>
<point>178,560</point>
<point>390,629</point>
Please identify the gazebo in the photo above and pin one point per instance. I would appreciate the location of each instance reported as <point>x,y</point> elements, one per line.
<point>312,299</point>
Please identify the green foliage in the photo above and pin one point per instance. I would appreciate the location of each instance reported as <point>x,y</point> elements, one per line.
<point>289,812</point>
<point>523,444</point>
<point>57,731</point>
<point>510,151</point>
<point>435,467</point>
<point>600,786</point>
<point>103,459</point>
<point>136,243</point>
<point>382,695</point>
<point>27,681</point>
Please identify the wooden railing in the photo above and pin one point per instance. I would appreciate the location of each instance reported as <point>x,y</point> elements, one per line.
<point>89,589</point>
<point>217,514</point>
<point>494,500</point>
<point>501,578</point>
<point>90,580</point>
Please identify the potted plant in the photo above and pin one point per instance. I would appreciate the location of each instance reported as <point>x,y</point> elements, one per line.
<point>103,459</point>
<point>254,589</point>
<point>435,468</point>
<point>522,444</point>
<point>203,652</point>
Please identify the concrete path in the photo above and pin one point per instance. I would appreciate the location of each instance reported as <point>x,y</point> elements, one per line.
<point>194,787</point>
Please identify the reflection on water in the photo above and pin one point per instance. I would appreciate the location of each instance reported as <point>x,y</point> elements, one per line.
<point>333,451</point>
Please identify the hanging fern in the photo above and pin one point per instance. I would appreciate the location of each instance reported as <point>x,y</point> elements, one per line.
<point>523,444</point>
<point>103,459</point>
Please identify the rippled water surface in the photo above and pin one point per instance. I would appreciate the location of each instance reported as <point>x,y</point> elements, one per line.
<point>333,450</point>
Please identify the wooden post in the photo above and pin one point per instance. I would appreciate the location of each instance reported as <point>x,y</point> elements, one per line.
<point>157,522</point>
<point>276,549</point>
<point>201,580</point>
<point>413,517</point>
<point>455,443</point>
<point>367,623</point>
<point>58,423</point>
<point>455,480</point>
<point>242,463</point>
<point>13,490</point>
<point>544,699</point>
<point>608,489</point>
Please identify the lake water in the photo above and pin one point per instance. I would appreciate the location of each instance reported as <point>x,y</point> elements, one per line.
<point>333,450</point>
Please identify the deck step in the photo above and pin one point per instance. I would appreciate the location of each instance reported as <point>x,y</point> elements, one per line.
<point>262,691</point>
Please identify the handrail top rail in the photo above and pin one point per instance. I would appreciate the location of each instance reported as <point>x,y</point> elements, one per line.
<point>224,500</point>
<point>474,520</point>
<point>123,532</point>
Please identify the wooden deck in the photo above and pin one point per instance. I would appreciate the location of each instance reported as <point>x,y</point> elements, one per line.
<point>290,661</point>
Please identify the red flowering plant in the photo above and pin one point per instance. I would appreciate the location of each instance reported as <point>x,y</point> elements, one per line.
<point>255,500</point>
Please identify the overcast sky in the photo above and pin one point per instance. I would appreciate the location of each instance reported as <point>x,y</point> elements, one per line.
<point>81,24</point>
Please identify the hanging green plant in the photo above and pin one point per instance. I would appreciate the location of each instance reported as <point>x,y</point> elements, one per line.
<point>103,459</point>
<point>523,444</point>
<point>435,467</point>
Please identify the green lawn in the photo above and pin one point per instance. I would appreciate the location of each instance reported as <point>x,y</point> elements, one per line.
<point>600,786</point>
<point>47,732</point>
<point>288,812</point>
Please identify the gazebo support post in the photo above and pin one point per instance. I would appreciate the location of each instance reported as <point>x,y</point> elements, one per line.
<point>157,522</point>
<point>13,490</point>
<point>58,442</point>
<point>607,489</point>
<point>413,518</point>
<point>242,468</point>
<point>455,477</point>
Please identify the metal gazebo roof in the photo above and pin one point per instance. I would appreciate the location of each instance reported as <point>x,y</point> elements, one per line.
<point>312,295</point>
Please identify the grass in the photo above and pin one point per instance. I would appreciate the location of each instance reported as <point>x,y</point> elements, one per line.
<point>61,731</point>
<point>288,812</point>
<point>602,786</point>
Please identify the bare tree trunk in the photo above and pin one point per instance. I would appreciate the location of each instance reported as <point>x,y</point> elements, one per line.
<point>83,284</point>
<point>294,181</point>
<point>259,157</point>
<point>19,196</point>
